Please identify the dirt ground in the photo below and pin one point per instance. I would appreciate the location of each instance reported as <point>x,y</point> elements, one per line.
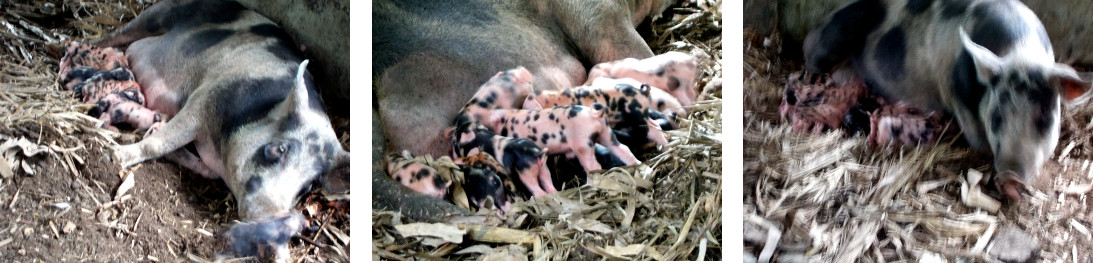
<point>69,213</point>
<point>832,198</point>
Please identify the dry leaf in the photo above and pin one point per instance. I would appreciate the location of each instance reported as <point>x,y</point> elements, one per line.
<point>475,249</point>
<point>586,225</point>
<point>446,232</point>
<point>630,250</point>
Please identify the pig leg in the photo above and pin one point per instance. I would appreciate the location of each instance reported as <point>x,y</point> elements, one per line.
<point>530,178</point>
<point>845,31</point>
<point>586,157</point>
<point>607,139</point>
<point>544,176</point>
<point>165,15</point>
<point>187,159</point>
<point>179,131</point>
<point>605,35</point>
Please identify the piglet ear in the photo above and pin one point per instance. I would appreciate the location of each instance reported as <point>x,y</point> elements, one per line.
<point>448,132</point>
<point>531,104</point>
<point>1073,87</point>
<point>337,179</point>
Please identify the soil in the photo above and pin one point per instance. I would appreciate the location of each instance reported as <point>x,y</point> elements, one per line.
<point>170,214</point>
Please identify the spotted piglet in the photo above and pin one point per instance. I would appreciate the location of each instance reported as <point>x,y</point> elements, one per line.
<point>572,130</point>
<point>416,175</point>
<point>80,54</point>
<point>673,72</point>
<point>117,97</point>
<point>629,107</point>
<point>500,91</point>
<point>621,96</point>
<point>521,157</point>
<point>486,182</point>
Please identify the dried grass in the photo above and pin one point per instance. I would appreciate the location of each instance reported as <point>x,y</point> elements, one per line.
<point>669,208</point>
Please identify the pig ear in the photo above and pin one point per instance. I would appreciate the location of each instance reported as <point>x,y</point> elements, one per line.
<point>531,104</point>
<point>1073,88</point>
<point>298,99</point>
<point>337,179</point>
<point>448,132</point>
<point>986,63</point>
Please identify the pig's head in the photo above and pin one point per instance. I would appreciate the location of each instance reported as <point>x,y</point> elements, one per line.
<point>270,162</point>
<point>1019,109</point>
<point>484,185</point>
<point>668,105</point>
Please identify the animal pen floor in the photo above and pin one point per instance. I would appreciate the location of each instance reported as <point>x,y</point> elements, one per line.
<point>827,198</point>
<point>62,202</point>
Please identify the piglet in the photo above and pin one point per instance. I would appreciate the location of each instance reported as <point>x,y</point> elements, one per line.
<point>621,96</point>
<point>521,157</point>
<point>572,130</point>
<point>416,175</point>
<point>80,54</point>
<point>485,179</point>
<point>673,71</point>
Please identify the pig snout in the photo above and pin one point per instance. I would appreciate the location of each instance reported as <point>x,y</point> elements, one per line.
<point>1010,185</point>
<point>265,239</point>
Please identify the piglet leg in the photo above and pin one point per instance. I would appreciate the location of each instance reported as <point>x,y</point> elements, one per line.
<point>607,139</point>
<point>586,156</point>
<point>530,178</point>
<point>544,176</point>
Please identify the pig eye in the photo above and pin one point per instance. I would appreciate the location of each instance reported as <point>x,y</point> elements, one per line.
<point>274,151</point>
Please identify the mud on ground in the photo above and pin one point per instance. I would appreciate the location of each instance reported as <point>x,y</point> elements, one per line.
<point>60,200</point>
<point>828,198</point>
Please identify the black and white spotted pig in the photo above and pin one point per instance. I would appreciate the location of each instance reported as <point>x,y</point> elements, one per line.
<point>987,62</point>
<point>672,71</point>
<point>571,130</point>
<point>417,175</point>
<point>521,157</point>
<point>236,86</point>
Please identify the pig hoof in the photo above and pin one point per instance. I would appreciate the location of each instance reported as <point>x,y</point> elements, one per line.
<point>126,155</point>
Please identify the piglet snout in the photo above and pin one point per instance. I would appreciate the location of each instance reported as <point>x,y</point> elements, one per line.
<point>265,239</point>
